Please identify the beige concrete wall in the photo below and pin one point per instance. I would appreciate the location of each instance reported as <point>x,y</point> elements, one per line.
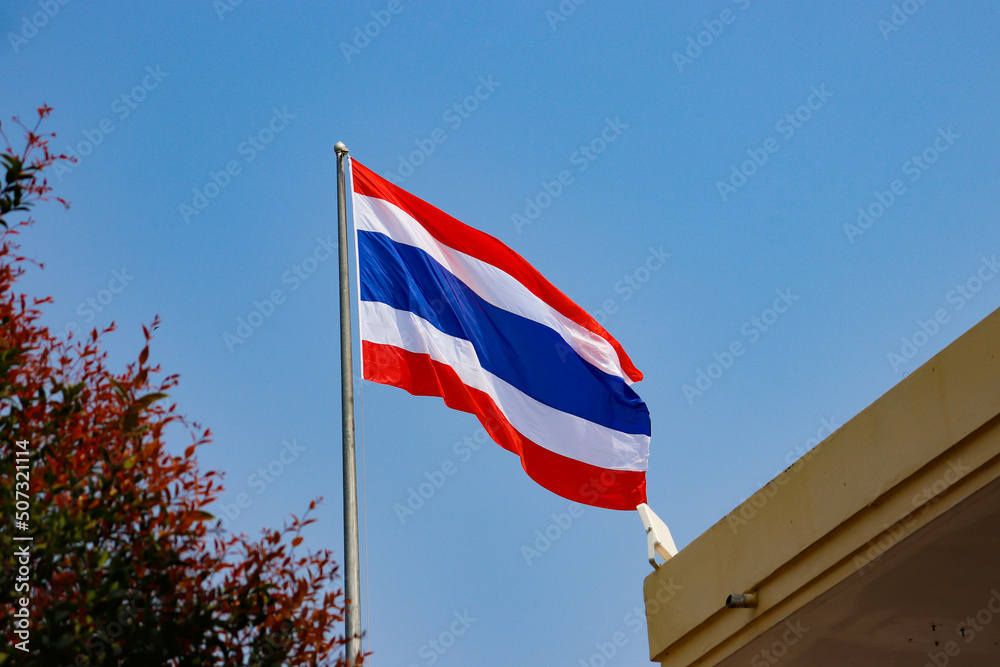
<point>935,436</point>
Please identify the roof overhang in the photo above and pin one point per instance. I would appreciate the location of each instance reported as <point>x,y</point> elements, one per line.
<point>880,545</point>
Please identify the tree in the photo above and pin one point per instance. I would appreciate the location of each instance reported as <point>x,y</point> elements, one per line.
<point>125,566</point>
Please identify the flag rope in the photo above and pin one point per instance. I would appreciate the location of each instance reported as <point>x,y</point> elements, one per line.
<point>361,404</point>
<point>364,513</point>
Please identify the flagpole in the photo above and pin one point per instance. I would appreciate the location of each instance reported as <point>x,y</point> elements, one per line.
<point>352,572</point>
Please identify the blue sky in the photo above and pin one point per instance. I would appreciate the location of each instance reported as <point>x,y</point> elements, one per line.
<point>823,177</point>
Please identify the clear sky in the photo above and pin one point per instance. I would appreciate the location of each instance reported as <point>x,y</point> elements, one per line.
<point>779,209</point>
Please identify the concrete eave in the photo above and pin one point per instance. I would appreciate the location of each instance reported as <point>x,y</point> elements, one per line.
<point>930,442</point>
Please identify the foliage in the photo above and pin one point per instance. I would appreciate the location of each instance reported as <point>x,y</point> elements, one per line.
<point>126,565</point>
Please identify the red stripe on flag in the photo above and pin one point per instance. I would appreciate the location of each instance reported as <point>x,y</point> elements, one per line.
<point>456,234</point>
<point>574,480</point>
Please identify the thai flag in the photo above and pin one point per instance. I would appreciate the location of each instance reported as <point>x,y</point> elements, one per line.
<point>449,311</point>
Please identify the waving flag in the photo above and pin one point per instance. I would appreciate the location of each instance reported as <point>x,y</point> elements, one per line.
<point>449,311</point>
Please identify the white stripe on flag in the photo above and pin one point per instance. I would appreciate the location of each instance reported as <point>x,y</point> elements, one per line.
<point>557,431</point>
<point>489,282</point>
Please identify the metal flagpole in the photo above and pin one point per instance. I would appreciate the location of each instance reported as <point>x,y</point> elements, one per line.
<point>352,571</point>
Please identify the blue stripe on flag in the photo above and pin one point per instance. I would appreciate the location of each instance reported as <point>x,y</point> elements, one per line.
<point>525,354</point>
